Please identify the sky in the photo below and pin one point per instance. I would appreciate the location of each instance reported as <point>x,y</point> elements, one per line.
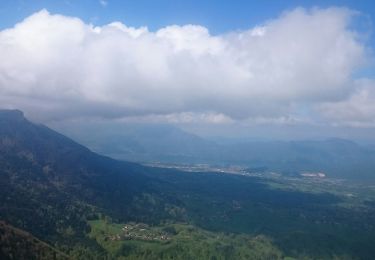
<point>284,69</point>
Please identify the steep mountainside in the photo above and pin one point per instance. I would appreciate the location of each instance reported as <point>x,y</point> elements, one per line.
<point>18,244</point>
<point>51,185</point>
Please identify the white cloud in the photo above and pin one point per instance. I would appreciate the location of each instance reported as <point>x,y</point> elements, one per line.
<point>356,111</point>
<point>58,67</point>
<point>181,118</point>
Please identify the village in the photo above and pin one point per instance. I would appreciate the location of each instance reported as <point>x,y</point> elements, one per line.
<point>140,231</point>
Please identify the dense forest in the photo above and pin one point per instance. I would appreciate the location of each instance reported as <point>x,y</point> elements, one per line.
<point>18,244</point>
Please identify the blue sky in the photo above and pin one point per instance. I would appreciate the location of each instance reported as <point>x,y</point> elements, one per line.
<point>217,15</point>
<point>242,63</point>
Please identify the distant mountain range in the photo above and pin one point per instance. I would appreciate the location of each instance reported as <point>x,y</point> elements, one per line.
<point>335,157</point>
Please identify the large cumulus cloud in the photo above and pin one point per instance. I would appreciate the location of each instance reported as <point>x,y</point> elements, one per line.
<point>358,110</point>
<point>61,67</point>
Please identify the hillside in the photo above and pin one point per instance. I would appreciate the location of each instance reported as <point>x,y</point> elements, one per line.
<point>18,244</point>
<point>51,185</point>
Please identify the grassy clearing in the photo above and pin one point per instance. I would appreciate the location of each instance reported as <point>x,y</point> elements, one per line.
<point>186,242</point>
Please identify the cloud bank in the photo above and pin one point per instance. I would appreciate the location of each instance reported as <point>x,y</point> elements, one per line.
<point>60,67</point>
<point>358,110</point>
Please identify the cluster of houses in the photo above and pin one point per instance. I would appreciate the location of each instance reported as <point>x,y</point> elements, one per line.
<point>139,232</point>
